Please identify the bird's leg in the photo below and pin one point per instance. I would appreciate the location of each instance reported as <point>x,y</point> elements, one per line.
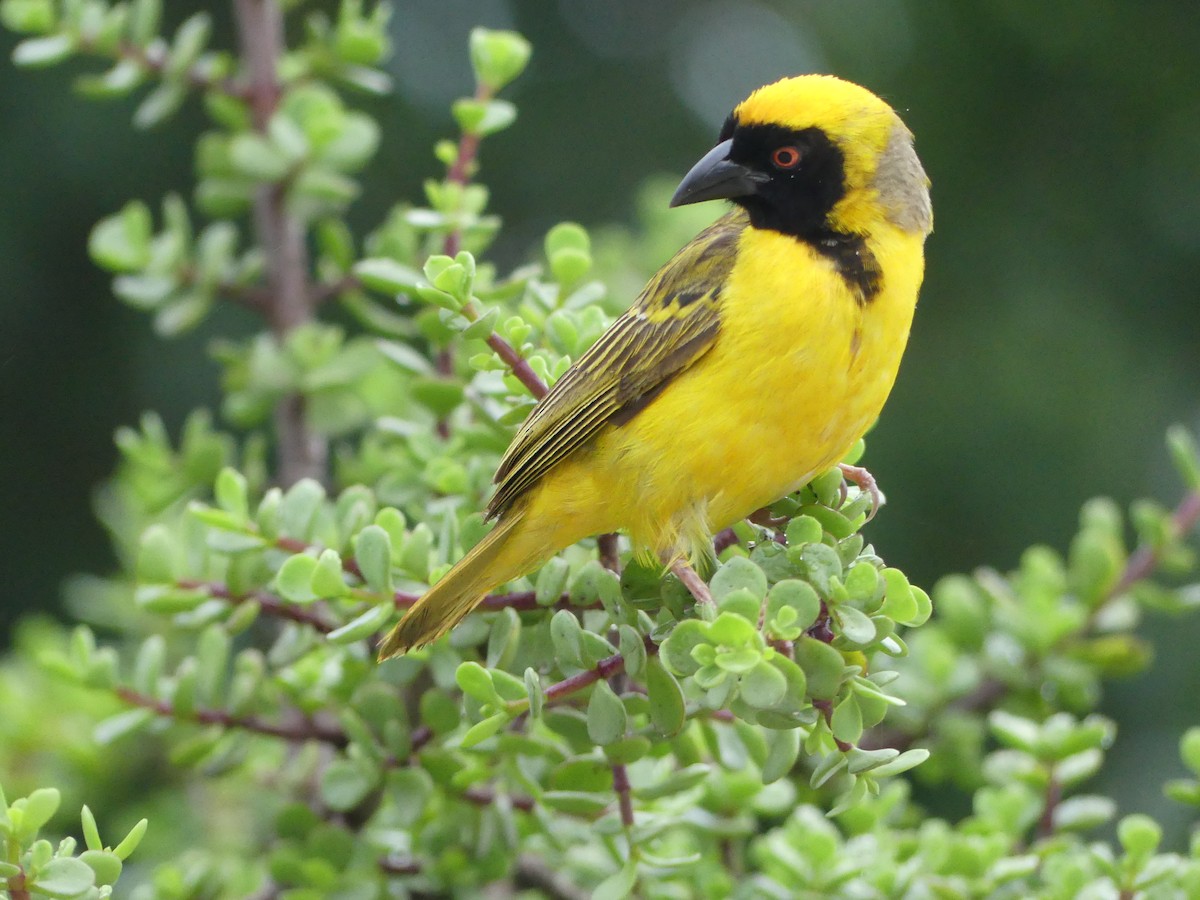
<point>865,482</point>
<point>691,580</point>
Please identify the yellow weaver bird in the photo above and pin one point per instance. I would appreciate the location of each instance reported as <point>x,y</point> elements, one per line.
<point>750,363</point>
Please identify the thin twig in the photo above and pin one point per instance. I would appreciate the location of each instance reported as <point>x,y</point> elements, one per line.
<point>606,668</point>
<point>534,872</point>
<point>1144,559</point>
<point>399,865</point>
<point>270,604</point>
<point>692,581</point>
<point>610,556</point>
<point>1045,825</point>
<point>624,796</point>
<point>152,60</point>
<point>484,796</point>
<point>16,887</point>
<point>518,365</point>
<point>305,729</point>
<point>301,451</point>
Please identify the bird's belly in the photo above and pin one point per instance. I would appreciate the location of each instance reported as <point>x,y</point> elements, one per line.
<point>780,398</point>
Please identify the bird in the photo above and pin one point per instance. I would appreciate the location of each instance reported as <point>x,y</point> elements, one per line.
<point>752,362</point>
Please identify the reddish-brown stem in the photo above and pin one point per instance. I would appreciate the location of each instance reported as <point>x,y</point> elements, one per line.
<point>302,453</point>
<point>304,729</point>
<point>153,60</point>
<point>606,668</point>
<point>269,603</point>
<point>1143,560</point>
<point>692,581</point>
<point>16,887</point>
<point>624,796</point>
<point>723,540</point>
<point>482,796</point>
<point>405,865</point>
<point>1045,826</point>
<point>610,556</point>
<point>518,365</point>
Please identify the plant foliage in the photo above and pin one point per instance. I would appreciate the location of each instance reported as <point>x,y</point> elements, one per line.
<point>591,731</point>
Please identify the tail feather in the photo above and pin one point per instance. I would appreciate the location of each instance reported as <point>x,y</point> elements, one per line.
<point>502,555</point>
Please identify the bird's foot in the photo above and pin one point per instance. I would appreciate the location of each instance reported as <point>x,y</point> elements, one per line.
<point>692,581</point>
<point>865,482</point>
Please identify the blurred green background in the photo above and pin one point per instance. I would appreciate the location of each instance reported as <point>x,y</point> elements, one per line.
<point>1056,338</point>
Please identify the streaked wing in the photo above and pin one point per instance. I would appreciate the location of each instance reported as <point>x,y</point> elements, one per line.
<point>671,325</point>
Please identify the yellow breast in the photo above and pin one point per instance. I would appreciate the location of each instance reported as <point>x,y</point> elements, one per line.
<point>799,371</point>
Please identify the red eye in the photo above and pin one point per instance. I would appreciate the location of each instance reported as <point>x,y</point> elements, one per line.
<point>786,158</point>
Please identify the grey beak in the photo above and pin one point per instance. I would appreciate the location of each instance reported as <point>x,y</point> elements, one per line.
<point>714,177</point>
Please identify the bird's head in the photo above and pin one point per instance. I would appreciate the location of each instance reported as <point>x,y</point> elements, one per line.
<point>813,154</point>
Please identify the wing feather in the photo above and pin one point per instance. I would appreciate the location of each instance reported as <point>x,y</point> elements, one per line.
<point>671,325</point>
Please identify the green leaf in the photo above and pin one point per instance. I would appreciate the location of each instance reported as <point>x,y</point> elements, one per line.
<point>40,807</point>
<point>575,803</point>
<point>503,641</point>
<point>121,242</point>
<point>731,630</point>
<point>783,749</point>
<point>1185,455</point>
<point>120,724</point>
<point>606,717</point>
<point>829,766</point>
<point>822,667</point>
<point>481,731</point>
<point>363,626</point>
<point>1014,731</point>
<point>256,158</point>
<point>668,712</point>
<point>620,884</point>
<point>28,16</point>
<point>565,635</point>
<point>387,276</point>
<point>633,650</point>
<point>739,573</point>
<point>551,581</point>
<point>800,597</point>
<point>498,57</point>
<point>676,651</point>
<point>105,864</point>
<point>763,686</point>
<point>847,724</point>
<point>294,578</point>
<point>91,834</point>
<point>475,681</point>
<point>43,51</point>
<point>804,530</point>
<point>373,553</point>
<point>1189,749</point>
<point>856,626</point>
<point>1139,835</point>
<point>1082,812</point>
<point>909,759</point>
<point>534,692</point>
<point>327,579</point>
<point>821,566</point>
<point>64,877</point>
<point>298,510</point>
<point>345,783</point>
<point>160,104</point>
<point>130,842</point>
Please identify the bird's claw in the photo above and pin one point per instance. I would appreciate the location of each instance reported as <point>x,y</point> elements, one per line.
<point>865,482</point>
